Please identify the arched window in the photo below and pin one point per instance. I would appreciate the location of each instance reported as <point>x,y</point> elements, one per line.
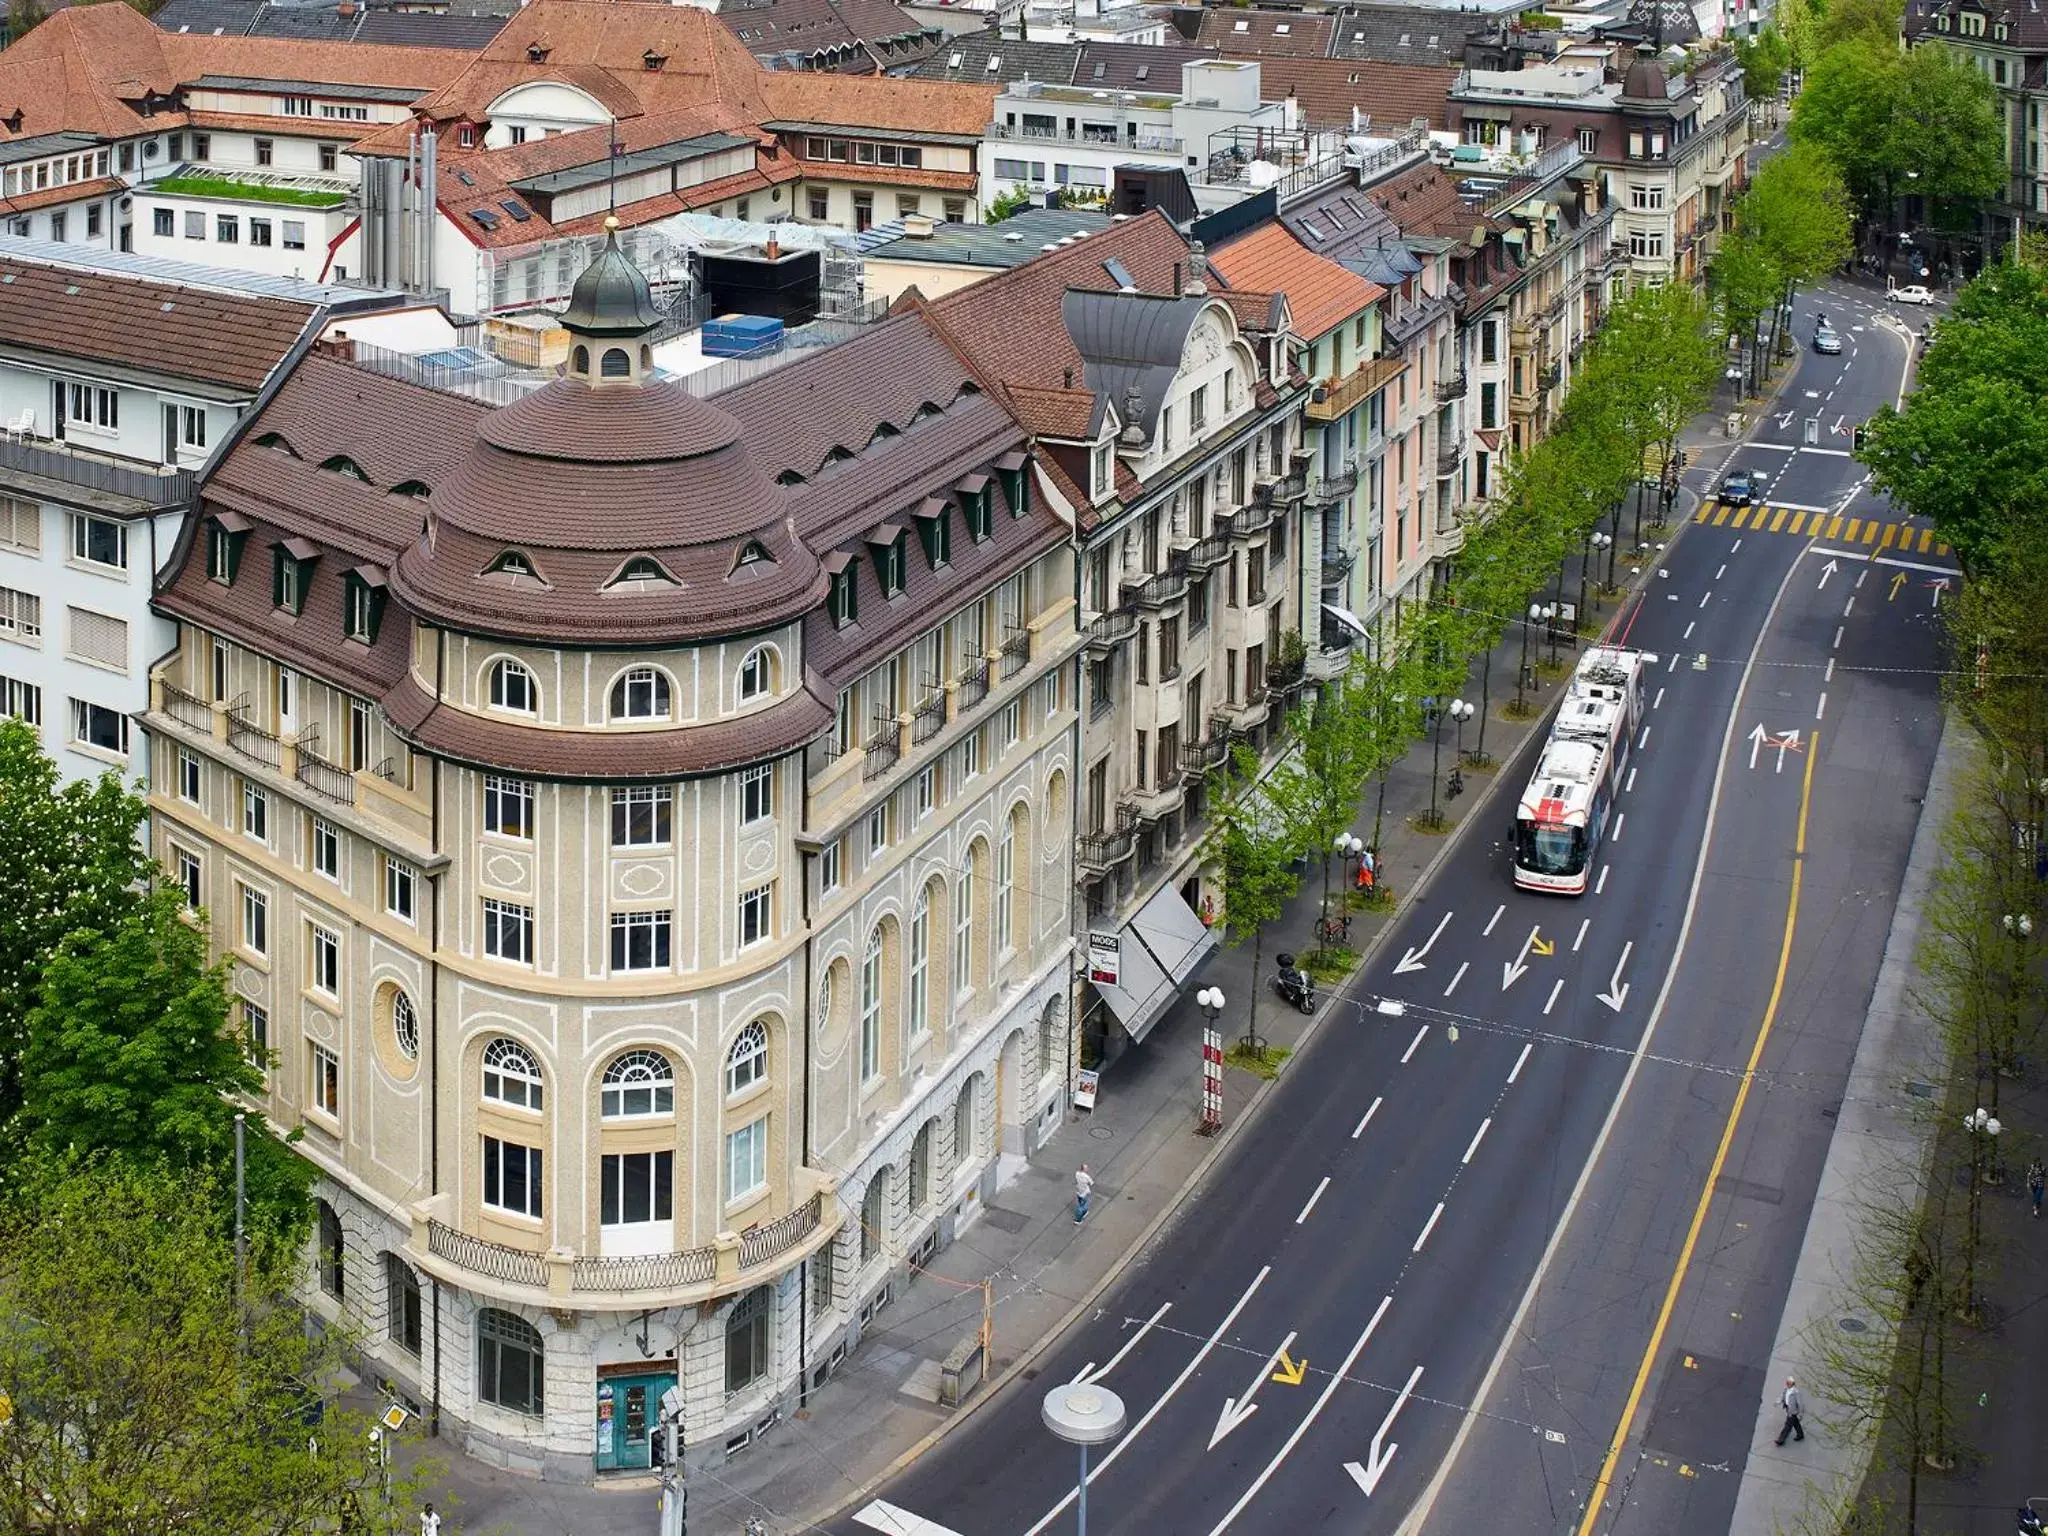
<point>871,1008</point>
<point>963,925</point>
<point>1006,880</point>
<point>509,1360</point>
<point>757,673</point>
<point>641,572</point>
<point>746,1339</point>
<point>402,1304</point>
<point>747,1062</point>
<point>641,694</point>
<point>617,363</point>
<point>921,1167</point>
<point>333,1249</point>
<point>638,1083</point>
<point>512,688</point>
<point>582,361</point>
<point>511,1075</point>
<point>1051,1058</point>
<point>405,1026</point>
<point>964,1138</point>
<point>921,965</point>
<point>874,1215</point>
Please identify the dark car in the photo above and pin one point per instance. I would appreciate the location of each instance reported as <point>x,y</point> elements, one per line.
<point>1744,487</point>
<point>1827,340</point>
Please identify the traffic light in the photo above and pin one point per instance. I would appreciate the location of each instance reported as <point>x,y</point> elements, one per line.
<point>1861,436</point>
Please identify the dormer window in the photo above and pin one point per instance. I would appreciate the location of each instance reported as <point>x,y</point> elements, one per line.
<point>225,536</point>
<point>642,571</point>
<point>1105,469</point>
<point>885,545</point>
<point>1016,486</point>
<point>753,552</point>
<point>417,488</point>
<point>291,573</point>
<point>277,441</point>
<point>342,464</point>
<point>842,602</point>
<point>935,531</point>
<point>652,60</point>
<point>536,53</point>
<point>512,689</point>
<point>517,568</point>
<point>363,603</point>
<point>641,694</point>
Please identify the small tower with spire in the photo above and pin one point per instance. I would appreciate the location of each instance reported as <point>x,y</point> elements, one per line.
<point>611,314</point>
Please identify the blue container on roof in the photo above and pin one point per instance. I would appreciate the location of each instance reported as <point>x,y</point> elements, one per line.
<point>741,335</point>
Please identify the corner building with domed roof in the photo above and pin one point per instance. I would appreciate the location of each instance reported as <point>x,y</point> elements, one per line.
<point>641,826</point>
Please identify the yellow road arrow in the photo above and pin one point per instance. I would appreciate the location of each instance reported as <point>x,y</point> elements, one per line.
<point>1291,1371</point>
<point>1898,581</point>
<point>1540,945</point>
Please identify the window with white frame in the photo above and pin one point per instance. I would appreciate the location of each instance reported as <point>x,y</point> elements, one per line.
<point>512,1179</point>
<point>92,408</point>
<point>924,793</point>
<point>746,1064</point>
<point>255,921</point>
<point>99,541</point>
<point>21,616</point>
<point>1646,243</point>
<point>829,866</point>
<point>757,911</point>
<point>188,776</point>
<point>1012,723</point>
<point>921,965</point>
<point>512,688</point>
<point>757,674</point>
<point>97,728</point>
<point>1646,195</point>
<point>642,815</point>
<point>757,794</point>
<point>508,807</point>
<point>511,1075</point>
<point>878,830</point>
<point>323,953</point>
<point>323,1086</point>
<point>255,812</point>
<point>637,1085</point>
<point>970,755</point>
<point>963,930</point>
<point>508,931</point>
<point>400,885</point>
<point>1006,875</point>
<point>746,1161</point>
<point>640,941</point>
<point>871,1008</point>
<point>326,849</point>
<point>191,878</point>
<point>192,418</point>
<point>641,694</point>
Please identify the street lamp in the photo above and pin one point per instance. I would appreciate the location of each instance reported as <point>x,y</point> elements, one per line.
<point>2021,927</point>
<point>1979,1124</point>
<point>1459,711</point>
<point>1083,1416</point>
<point>1347,848</point>
<point>1595,542</point>
<point>1210,1001</point>
<point>1538,612</point>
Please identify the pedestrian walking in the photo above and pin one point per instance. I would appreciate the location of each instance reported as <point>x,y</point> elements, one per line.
<point>1084,1186</point>
<point>2037,1184</point>
<point>430,1523</point>
<point>1790,1402</point>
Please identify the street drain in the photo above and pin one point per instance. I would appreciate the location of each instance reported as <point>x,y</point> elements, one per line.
<point>1853,1325</point>
<point>1101,1132</point>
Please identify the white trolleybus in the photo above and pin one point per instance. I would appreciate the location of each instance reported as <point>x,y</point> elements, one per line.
<point>1565,808</point>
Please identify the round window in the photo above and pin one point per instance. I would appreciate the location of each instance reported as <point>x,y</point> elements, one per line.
<point>405,1027</point>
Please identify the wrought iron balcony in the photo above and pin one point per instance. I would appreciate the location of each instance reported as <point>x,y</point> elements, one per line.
<point>1107,631</point>
<point>976,680</point>
<point>1103,850</point>
<point>929,718</point>
<point>1334,484</point>
<point>329,780</point>
<point>251,740</point>
<point>1553,375</point>
<point>1450,452</point>
<point>1208,553</point>
<point>188,709</point>
<point>1016,652</point>
<point>1337,563</point>
<point>884,750</point>
<point>1199,759</point>
<point>1286,676</point>
<point>1254,518</point>
<point>1449,387</point>
<point>1168,587</point>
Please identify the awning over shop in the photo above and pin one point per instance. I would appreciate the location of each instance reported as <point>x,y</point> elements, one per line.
<point>1158,950</point>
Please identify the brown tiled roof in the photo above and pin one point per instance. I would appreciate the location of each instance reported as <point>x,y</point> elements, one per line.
<point>1393,95</point>
<point>1266,34</point>
<point>887,102</point>
<point>56,197</point>
<point>1425,201</point>
<point>197,334</point>
<point>1320,294</point>
<point>888,176</point>
<point>1053,412</point>
<point>268,123</point>
<point>648,209</point>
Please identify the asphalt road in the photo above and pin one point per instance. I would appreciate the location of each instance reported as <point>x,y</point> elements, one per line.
<point>1298,1349</point>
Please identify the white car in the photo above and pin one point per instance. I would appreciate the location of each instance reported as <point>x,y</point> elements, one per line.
<point>1912,293</point>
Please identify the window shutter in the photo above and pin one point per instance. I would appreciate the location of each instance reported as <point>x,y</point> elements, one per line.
<point>277,560</point>
<point>98,637</point>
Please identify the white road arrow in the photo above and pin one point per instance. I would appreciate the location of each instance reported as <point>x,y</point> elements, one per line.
<point>1237,1409</point>
<point>1825,572</point>
<point>1381,1454</point>
<point>1757,738</point>
<point>1090,1375</point>
<point>1617,989</point>
<point>1786,739</point>
<point>1412,961</point>
<point>1940,585</point>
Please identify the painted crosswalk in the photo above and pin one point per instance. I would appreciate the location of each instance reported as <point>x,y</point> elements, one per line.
<point>1880,533</point>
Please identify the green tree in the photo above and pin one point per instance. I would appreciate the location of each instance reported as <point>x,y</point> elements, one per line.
<point>129,1053</point>
<point>1764,60</point>
<point>1745,286</point>
<point>1871,21</point>
<point>1255,853</point>
<point>142,1396</point>
<point>69,862</point>
<point>1316,790</point>
<point>23,16</point>
<point>1010,201</point>
<point>1924,121</point>
<point>1798,22</point>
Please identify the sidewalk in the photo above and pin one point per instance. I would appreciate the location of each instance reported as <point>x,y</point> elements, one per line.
<point>1139,1142</point>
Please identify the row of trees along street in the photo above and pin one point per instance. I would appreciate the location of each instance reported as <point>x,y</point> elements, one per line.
<point>1970,451</point>
<point>149,1381</point>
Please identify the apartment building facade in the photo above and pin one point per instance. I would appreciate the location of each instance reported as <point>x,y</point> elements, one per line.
<point>119,377</point>
<point>639,825</point>
<point>1169,415</point>
<point>2010,46</point>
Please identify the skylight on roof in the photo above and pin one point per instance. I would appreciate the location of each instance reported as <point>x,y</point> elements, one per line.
<point>1432,39</point>
<point>1281,29</point>
<point>1242,26</point>
<point>995,62</point>
<point>1120,273</point>
<point>954,61</point>
<point>1100,69</point>
<point>465,178</point>
<point>1315,230</point>
<point>519,211</point>
<point>1144,72</point>
<point>1404,41</point>
<point>485,217</point>
<point>1358,37</point>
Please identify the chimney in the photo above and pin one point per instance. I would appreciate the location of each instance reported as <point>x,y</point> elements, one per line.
<point>339,346</point>
<point>1070,379</point>
<point>1198,271</point>
<point>773,250</point>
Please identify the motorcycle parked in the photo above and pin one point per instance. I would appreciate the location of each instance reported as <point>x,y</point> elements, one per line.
<point>1295,985</point>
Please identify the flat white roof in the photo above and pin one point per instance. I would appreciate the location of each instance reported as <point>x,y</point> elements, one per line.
<point>190,274</point>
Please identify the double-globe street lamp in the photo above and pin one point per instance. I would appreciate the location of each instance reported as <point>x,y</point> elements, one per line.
<point>1459,711</point>
<point>1595,542</point>
<point>1980,1125</point>
<point>1539,613</point>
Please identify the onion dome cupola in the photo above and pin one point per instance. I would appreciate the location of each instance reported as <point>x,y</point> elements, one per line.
<point>611,313</point>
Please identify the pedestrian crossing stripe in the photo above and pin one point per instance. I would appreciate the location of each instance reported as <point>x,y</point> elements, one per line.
<point>1906,538</point>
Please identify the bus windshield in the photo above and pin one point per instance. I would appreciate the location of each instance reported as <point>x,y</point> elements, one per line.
<point>1550,850</point>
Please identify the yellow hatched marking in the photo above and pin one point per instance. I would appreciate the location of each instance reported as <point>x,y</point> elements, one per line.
<point>1721,515</point>
<point>1855,527</point>
<point>1941,549</point>
<point>1778,520</point>
<point>1835,527</point>
<point>1706,510</point>
<point>1891,531</point>
<point>1741,517</point>
<point>1926,539</point>
<point>1797,519</point>
<point>1870,531</point>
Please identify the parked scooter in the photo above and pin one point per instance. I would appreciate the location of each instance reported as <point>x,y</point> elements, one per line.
<point>2034,1517</point>
<point>1295,984</point>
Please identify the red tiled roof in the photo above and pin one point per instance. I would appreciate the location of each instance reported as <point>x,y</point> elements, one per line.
<point>1320,294</point>
<point>56,197</point>
<point>1265,34</point>
<point>1060,413</point>
<point>877,102</point>
<point>648,209</point>
<point>888,176</point>
<point>283,127</point>
<point>1393,95</point>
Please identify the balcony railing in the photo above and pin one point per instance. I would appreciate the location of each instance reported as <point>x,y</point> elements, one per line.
<point>976,681</point>
<point>329,780</point>
<point>1199,759</point>
<point>1150,142</point>
<point>1207,553</point>
<point>1255,517</point>
<point>1449,387</point>
<point>1285,676</point>
<point>1553,375</point>
<point>251,740</point>
<point>154,488</point>
<point>1339,395</point>
<point>761,1244</point>
<point>646,1272</point>
<point>188,709</point>
<point>496,1261</point>
<point>929,718</point>
<point>1337,563</point>
<point>1168,587</point>
<point>884,750</point>
<point>1334,484</point>
<point>1103,850</point>
<point>1016,652</point>
<point>1108,630</point>
<point>1450,451</point>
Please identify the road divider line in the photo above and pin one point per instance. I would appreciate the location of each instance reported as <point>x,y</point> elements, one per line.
<point>1850,606</point>
<point>1643,737</point>
<point>1477,1137</point>
<point>1584,924</point>
<point>1821,709</point>
<point>1829,675</point>
<point>881,1515</point>
<point>1414,1043</point>
<point>1555,988</point>
<point>1703,598</point>
<point>1713,1175</point>
<point>1520,1060</point>
<point>1690,625</point>
<point>1367,1120</point>
<point>1463,966</point>
<point>1188,1370</point>
<point>1488,931</point>
<point>1721,572</point>
<point>1601,884</point>
<point>1428,1227</point>
<point>1615,835</point>
<point>1658,702</point>
<point>1838,636</point>
<point>1312,1199</point>
<point>1089,1374</point>
<point>1631,783</point>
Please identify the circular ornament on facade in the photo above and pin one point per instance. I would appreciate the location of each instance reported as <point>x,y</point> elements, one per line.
<point>758,856</point>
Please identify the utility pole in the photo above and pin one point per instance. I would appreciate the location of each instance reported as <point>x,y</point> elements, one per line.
<point>241,1218</point>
